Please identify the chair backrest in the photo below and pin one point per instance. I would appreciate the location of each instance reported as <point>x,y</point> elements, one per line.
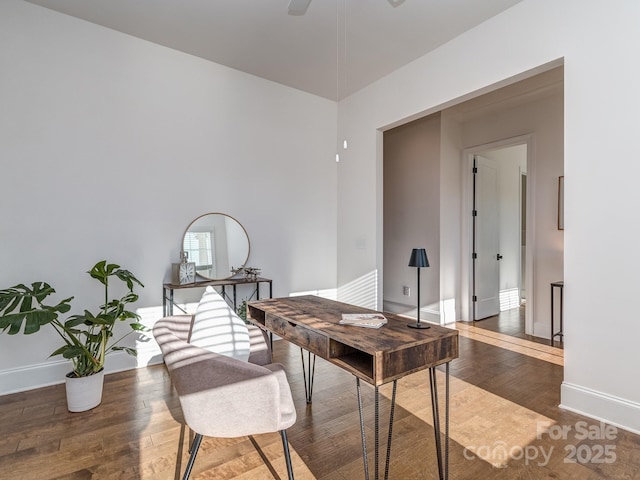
<point>218,328</point>
<point>222,396</point>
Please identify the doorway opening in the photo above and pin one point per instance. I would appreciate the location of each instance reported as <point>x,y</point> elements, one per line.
<point>499,275</point>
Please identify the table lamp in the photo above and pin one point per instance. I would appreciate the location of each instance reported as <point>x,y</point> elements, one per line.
<point>419,260</point>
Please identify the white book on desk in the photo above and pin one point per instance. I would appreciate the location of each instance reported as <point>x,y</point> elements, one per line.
<point>368,320</point>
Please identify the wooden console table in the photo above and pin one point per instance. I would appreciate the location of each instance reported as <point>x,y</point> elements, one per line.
<point>169,288</point>
<point>377,356</point>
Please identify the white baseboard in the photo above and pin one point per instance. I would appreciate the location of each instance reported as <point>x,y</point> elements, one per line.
<point>52,373</point>
<point>600,406</point>
<point>34,376</point>
<point>428,313</point>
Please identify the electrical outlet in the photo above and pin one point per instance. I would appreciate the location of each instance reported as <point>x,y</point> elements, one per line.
<point>406,291</point>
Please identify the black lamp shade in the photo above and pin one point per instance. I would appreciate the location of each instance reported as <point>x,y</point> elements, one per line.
<point>418,258</point>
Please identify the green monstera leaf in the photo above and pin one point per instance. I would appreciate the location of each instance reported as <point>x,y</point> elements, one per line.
<point>21,305</point>
<point>88,337</point>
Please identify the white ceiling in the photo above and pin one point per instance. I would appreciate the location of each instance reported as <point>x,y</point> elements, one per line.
<point>335,49</point>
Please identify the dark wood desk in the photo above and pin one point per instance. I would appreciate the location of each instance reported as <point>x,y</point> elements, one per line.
<point>377,356</point>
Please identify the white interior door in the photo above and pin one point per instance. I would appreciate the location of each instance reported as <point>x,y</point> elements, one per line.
<point>487,239</point>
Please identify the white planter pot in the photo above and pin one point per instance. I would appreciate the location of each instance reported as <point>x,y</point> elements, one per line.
<point>84,393</point>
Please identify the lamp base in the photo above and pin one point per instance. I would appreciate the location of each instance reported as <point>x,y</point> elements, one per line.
<point>418,325</point>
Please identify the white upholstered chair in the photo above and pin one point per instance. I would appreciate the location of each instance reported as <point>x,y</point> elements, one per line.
<point>223,396</point>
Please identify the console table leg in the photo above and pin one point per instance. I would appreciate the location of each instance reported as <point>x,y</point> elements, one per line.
<point>235,299</point>
<point>552,315</point>
<point>164,302</point>
<point>308,379</point>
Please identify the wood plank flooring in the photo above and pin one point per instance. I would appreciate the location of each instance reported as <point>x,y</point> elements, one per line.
<point>505,424</point>
<point>511,322</point>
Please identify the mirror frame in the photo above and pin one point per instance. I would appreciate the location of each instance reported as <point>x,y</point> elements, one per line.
<point>244,262</point>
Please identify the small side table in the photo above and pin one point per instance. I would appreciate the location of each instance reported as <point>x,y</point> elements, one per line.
<point>559,333</point>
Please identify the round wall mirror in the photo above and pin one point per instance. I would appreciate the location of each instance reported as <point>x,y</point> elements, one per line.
<point>216,243</point>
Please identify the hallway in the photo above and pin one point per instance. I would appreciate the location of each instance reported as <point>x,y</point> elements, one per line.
<point>511,322</point>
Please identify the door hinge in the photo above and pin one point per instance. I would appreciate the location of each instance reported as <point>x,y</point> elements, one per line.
<point>475,169</point>
<point>474,213</point>
<point>475,298</point>
<point>474,255</point>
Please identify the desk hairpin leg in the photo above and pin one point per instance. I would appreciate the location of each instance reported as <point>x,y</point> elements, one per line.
<point>376,431</point>
<point>308,379</point>
<point>393,407</point>
<point>443,464</point>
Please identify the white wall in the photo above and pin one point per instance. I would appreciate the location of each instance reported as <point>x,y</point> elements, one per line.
<point>597,41</point>
<point>411,212</point>
<point>110,146</point>
<point>450,222</point>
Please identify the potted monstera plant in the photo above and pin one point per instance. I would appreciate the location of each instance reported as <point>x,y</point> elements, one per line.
<point>87,338</point>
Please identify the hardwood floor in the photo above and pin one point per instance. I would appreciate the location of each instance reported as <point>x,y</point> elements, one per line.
<point>511,322</point>
<point>505,393</point>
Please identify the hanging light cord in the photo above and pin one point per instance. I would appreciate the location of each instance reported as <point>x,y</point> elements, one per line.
<point>342,60</point>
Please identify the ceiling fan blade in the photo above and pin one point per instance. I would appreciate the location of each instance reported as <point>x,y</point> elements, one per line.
<point>298,7</point>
